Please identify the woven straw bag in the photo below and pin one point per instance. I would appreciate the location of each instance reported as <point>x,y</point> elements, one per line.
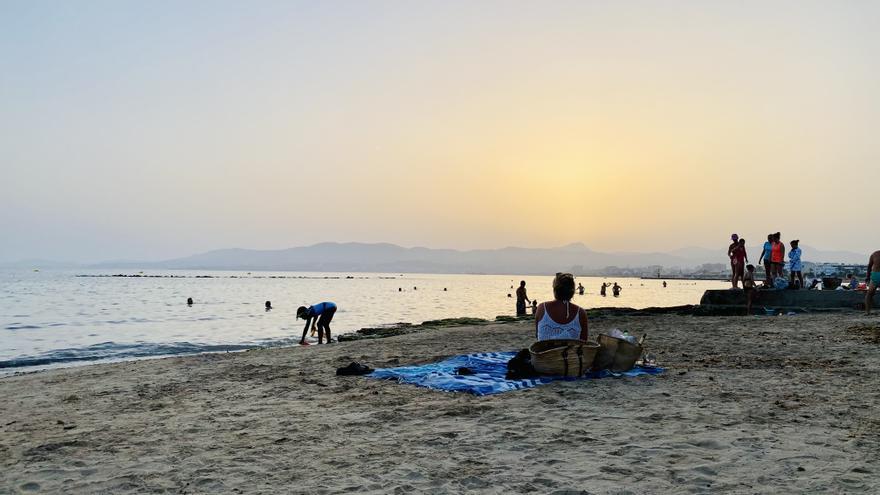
<point>616,354</point>
<point>569,358</point>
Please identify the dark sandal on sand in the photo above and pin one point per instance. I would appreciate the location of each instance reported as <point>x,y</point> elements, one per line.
<point>354,369</point>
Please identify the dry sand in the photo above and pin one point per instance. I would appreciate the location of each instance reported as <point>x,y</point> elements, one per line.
<point>749,405</point>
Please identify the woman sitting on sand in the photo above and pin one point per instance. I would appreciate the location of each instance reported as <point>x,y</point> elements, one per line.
<point>559,318</point>
<point>323,313</point>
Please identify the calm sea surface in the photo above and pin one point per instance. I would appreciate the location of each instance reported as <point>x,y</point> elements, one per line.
<point>57,318</point>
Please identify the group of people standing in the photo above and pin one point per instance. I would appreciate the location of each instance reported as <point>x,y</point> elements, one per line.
<point>615,289</point>
<point>773,259</point>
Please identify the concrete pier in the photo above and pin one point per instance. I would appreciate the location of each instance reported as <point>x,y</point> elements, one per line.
<point>789,299</point>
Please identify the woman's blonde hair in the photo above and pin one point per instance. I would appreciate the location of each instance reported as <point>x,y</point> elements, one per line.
<point>563,286</point>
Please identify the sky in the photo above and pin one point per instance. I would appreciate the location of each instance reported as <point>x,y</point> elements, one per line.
<point>150,130</point>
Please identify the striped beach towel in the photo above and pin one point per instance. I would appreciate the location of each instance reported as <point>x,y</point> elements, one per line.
<point>489,369</point>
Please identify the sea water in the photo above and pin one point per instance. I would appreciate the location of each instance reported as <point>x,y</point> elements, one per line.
<point>52,318</point>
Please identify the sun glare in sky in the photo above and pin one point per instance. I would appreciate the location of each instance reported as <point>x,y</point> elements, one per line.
<point>148,130</point>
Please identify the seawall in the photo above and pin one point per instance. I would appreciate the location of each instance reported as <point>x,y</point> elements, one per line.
<point>803,299</point>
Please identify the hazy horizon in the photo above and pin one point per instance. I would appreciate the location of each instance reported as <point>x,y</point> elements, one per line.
<point>754,248</point>
<point>156,130</point>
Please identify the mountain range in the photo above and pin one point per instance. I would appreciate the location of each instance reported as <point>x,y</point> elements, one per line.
<point>383,257</point>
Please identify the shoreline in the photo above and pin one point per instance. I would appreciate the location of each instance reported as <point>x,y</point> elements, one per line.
<point>373,332</point>
<point>108,318</point>
<point>394,329</point>
<point>259,420</point>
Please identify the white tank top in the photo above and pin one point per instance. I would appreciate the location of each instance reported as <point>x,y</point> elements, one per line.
<point>549,329</point>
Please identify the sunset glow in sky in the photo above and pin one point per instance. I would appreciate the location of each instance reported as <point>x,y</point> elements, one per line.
<point>149,130</point>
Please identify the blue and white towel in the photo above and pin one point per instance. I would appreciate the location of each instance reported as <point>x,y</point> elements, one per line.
<point>489,370</point>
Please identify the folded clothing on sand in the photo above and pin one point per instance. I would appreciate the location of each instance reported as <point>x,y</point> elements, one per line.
<point>489,369</point>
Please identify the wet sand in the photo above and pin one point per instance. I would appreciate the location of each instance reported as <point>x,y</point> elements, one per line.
<point>748,405</point>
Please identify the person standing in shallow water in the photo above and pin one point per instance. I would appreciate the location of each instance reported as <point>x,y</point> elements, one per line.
<point>521,299</point>
<point>602,290</point>
<point>322,313</point>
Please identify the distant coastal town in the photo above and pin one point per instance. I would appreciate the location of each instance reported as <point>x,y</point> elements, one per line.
<point>715,271</point>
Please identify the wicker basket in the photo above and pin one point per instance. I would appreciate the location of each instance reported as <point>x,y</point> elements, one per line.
<point>569,358</point>
<point>616,354</point>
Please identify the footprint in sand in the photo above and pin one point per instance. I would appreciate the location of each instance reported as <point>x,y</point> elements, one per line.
<point>708,444</point>
<point>616,470</point>
<point>473,483</point>
<point>705,470</point>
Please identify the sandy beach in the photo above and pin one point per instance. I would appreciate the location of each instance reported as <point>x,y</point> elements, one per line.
<point>748,405</point>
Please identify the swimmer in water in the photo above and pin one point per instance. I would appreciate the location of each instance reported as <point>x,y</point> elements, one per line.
<point>321,315</point>
<point>268,305</point>
<point>189,301</point>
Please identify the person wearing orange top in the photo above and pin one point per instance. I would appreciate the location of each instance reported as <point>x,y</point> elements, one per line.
<point>777,255</point>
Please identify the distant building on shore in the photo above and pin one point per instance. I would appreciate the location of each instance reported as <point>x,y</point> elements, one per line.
<point>714,271</point>
<point>834,269</point>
